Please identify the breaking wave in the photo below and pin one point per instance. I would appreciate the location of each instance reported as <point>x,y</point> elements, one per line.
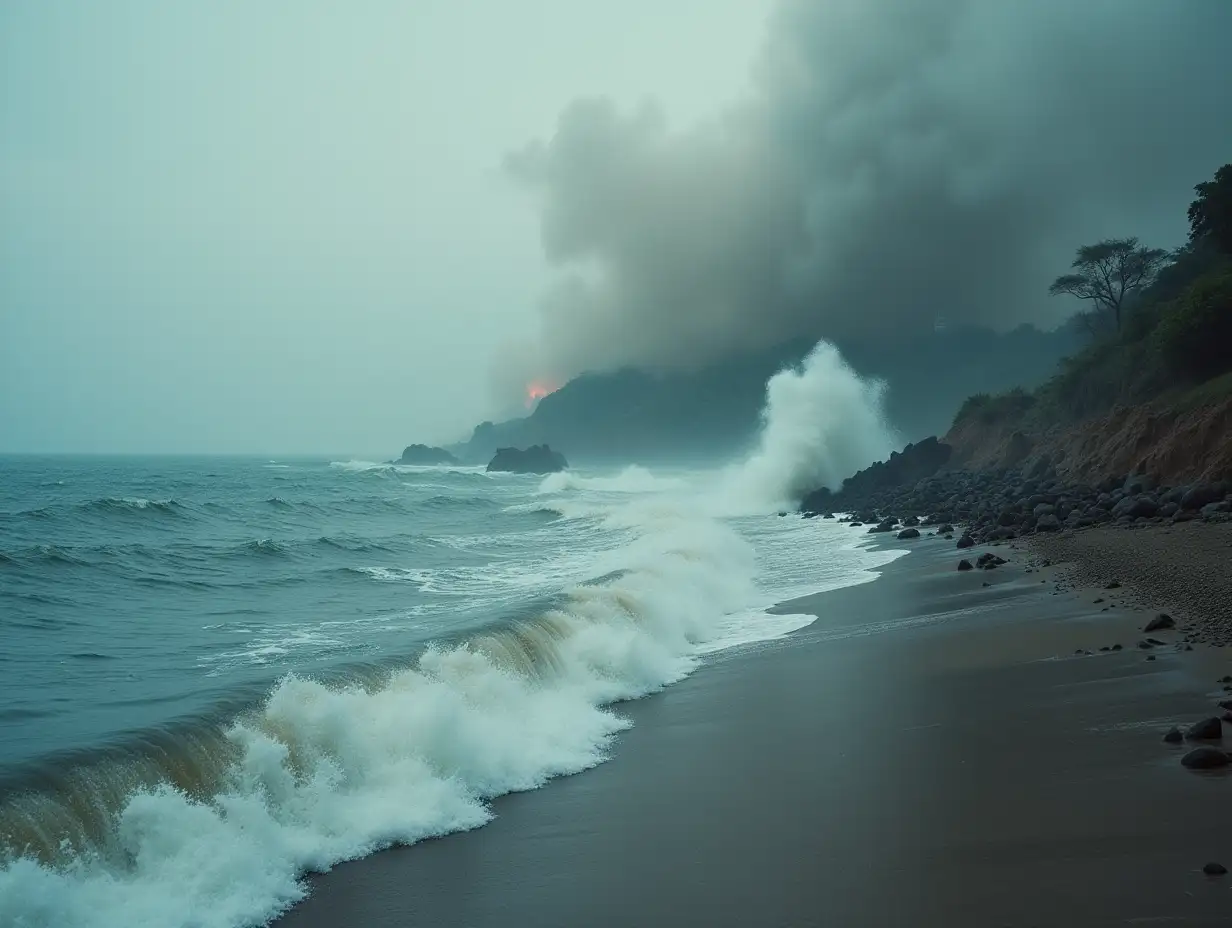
<point>215,826</point>
<point>821,423</point>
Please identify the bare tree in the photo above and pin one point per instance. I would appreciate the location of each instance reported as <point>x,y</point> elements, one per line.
<point>1109,271</point>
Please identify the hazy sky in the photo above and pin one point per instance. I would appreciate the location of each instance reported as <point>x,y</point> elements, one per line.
<point>894,161</point>
<point>285,226</point>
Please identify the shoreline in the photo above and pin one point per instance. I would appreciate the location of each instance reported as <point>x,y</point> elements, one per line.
<point>930,751</point>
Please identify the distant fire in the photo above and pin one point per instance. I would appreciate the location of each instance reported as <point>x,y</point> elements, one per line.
<point>537,390</point>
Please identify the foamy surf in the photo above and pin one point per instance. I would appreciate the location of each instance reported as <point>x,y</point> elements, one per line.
<point>216,826</point>
<point>321,774</point>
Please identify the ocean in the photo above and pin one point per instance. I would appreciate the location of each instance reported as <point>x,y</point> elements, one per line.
<point>219,674</point>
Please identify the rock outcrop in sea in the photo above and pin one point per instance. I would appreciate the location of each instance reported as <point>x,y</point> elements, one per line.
<point>537,459</point>
<point>425,456</point>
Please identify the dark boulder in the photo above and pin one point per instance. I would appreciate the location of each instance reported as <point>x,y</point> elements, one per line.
<point>537,459</point>
<point>1047,523</point>
<point>1161,621</point>
<point>1202,494</point>
<point>1174,736</point>
<point>964,564</point>
<point>1207,730</point>
<point>1205,759</point>
<point>1135,507</point>
<point>966,541</point>
<point>908,533</point>
<point>1139,483</point>
<point>1214,868</point>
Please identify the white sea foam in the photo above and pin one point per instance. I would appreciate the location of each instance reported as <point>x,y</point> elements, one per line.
<point>326,774</point>
<point>359,466</point>
<point>821,423</point>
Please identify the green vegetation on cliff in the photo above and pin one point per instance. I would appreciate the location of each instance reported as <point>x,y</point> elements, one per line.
<point>1159,328</point>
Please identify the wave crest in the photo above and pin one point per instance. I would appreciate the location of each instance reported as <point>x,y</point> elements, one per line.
<point>322,773</point>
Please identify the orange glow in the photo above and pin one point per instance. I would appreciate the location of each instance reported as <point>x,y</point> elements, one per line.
<point>537,390</point>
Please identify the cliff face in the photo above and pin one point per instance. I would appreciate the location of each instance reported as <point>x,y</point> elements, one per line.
<point>1177,442</point>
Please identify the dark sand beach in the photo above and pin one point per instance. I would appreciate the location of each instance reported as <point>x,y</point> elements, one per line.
<point>930,752</point>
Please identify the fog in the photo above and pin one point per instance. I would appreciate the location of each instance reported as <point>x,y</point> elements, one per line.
<point>892,163</point>
<point>286,227</point>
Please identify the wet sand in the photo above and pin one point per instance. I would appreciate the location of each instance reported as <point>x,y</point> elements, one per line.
<point>929,752</point>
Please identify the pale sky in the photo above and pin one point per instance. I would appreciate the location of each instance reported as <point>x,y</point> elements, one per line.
<point>284,226</point>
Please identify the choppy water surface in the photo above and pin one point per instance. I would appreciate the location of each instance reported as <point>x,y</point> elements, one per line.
<point>218,674</point>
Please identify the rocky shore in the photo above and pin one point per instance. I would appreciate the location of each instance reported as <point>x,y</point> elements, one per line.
<point>914,487</point>
<point>1181,564</point>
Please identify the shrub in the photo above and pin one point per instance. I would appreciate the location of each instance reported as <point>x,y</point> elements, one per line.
<point>1000,408</point>
<point>1195,333</point>
<point>970,405</point>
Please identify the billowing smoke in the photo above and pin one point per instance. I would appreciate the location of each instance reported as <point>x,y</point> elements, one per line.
<point>897,161</point>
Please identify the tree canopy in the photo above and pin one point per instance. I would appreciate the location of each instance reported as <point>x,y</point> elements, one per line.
<point>1108,272</point>
<point>1210,215</point>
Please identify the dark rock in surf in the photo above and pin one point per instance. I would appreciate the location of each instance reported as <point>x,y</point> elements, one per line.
<point>1207,730</point>
<point>1205,759</point>
<point>1174,736</point>
<point>966,541</point>
<point>425,456</point>
<point>908,533</point>
<point>964,564</point>
<point>537,459</point>
<point>1214,868</point>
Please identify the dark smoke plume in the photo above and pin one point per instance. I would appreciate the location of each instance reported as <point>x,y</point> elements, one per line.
<point>898,161</point>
